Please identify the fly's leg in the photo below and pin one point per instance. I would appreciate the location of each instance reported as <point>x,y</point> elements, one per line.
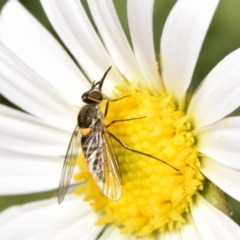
<point>136,151</point>
<point>121,143</point>
<point>112,100</point>
<point>101,232</point>
<point>123,120</point>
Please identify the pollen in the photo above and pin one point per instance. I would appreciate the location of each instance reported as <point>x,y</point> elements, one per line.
<point>155,196</point>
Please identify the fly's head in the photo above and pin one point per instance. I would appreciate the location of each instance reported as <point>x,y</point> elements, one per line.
<point>94,95</point>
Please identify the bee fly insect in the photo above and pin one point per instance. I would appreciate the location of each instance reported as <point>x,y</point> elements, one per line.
<point>91,134</point>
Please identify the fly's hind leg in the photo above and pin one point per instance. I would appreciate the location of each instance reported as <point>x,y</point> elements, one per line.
<point>139,152</point>
<point>120,142</point>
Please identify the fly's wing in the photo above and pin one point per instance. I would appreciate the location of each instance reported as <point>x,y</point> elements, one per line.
<point>69,164</point>
<point>102,163</point>
<point>112,187</point>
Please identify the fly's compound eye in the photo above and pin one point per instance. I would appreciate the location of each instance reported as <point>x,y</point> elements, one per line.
<point>92,97</point>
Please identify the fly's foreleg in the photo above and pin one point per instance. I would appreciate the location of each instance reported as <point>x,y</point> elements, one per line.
<point>112,100</point>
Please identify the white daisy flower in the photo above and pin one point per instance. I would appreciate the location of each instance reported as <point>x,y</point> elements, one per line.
<point>197,138</point>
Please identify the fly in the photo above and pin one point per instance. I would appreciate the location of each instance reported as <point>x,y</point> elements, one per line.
<point>91,134</point>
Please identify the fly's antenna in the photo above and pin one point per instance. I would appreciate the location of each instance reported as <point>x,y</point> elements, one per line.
<point>102,80</point>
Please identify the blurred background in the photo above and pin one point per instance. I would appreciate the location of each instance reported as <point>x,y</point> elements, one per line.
<point>222,38</point>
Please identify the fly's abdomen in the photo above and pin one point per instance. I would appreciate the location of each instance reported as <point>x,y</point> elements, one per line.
<point>92,147</point>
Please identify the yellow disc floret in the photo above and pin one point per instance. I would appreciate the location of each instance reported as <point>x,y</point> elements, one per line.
<point>155,197</point>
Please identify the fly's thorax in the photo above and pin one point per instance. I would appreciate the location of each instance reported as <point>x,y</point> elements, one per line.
<point>88,115</point>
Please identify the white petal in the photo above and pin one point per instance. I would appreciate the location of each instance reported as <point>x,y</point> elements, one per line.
<point>221,141</point>
<point>170,236</point>
<point>24,173</point>
<point>189,230</point>
<point>73,219</point>
<point>28,91</point>
<point>227,179</point>
<point>182,38</point>
<point>218,95</point>
<point>23,133</point>
<point>21,33</point>
<point>75,30</point>
<point>212,223</point>
<point>140,14</point>
<point>108,24</point>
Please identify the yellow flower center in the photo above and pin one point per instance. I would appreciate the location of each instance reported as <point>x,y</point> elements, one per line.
<point>155,197</point>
